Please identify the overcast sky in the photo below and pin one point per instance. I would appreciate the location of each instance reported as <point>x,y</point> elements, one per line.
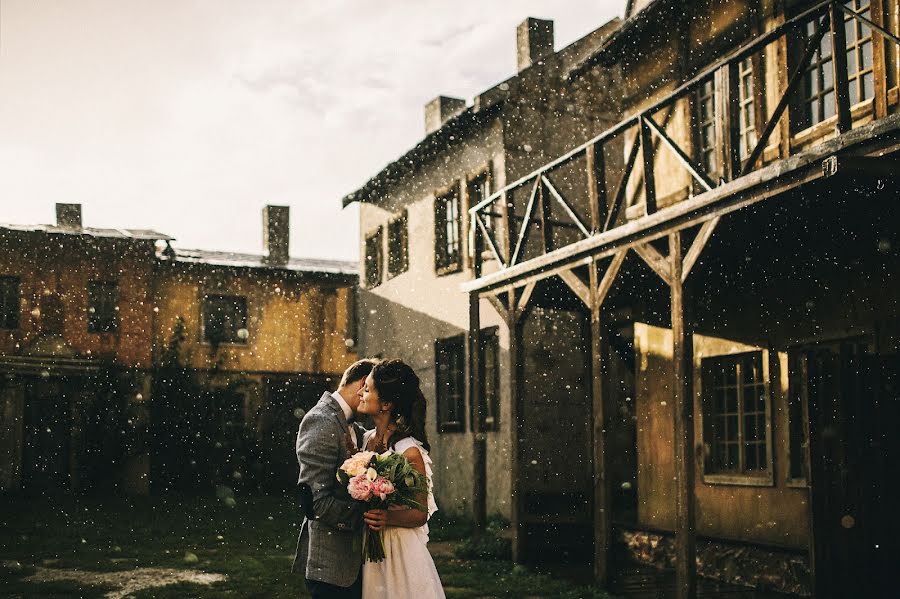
<point>188,116</point>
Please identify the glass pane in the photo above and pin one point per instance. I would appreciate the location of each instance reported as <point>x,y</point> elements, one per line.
<point>827,76</point>
<point>825,48</point>
<point>854,91</point>
<point>866,55</point>
<point>868,85</point>
<point>852,67</point>
<point>828,104</point>
<point>750,432</point>
<point>810,84</point>
<point>850,30</point>
<point>732,459</point>
<point>750,457</point>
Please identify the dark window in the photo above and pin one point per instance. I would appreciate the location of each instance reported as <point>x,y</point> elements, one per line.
<point>374,258</point>
<point>103,307</point>
<point>398,245</point>
<point>797,402</point>
<point>225,319</point>
<point>9,302</point>
<point>447,230</point>
<point>735,399</point>
<point>450,381</point>
<point>860,66</point>
<point>490,383</point>
<point>747,108</point>
<point>705,117</point>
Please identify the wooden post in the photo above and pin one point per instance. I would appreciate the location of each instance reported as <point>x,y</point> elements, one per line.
<point>728,117</point>
<point>602,495</point>
<point>476,401</point>
<point>543,216</point>
<point>649,178</point>
<point>683,408</point>
<point>596,183</point>
<point>518,497</point>
<point>839,63</point>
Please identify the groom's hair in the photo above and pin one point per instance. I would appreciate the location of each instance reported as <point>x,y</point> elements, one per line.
<point>358,370</point>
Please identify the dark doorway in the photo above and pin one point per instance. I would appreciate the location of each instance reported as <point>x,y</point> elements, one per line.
<point>556,473</point>
<point>45,454</point>
<point>854,408</point>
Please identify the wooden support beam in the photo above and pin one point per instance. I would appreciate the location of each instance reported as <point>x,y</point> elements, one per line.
<point>727,115</point>
<point>884,32</point>
<point>622,185</point>
<point>490,239</point>
<point>683,412</point>
<point>695,171</point>
<point>703,235</point>
<point>582,291</point>
<point>543,217</point>
<point>476,410</point>
<point>522,303</point>
<point>649,169</point>
<point>610,276</point>
<point>526,223</point>
<point>498,305</point>
<point>603,547</point>
<point>515,377</point>
<point>596,183</point>
<point>656,261</point>
<point>839,66</point>
<point>562,202</point>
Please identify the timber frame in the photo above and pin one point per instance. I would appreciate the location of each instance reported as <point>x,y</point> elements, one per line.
<point>686,227</point>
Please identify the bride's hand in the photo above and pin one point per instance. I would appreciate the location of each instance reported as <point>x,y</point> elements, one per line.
<point>376,519</point>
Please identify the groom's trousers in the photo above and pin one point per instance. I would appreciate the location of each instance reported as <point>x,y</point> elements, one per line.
<point>323,590</point>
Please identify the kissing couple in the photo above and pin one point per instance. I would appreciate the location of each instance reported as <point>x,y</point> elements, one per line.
<point>328,549</point>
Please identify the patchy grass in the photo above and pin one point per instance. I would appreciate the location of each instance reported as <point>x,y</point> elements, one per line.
<point>251,543</point>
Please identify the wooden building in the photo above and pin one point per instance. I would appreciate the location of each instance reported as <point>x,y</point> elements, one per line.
<point>726,305</point>
<point>414,219</point>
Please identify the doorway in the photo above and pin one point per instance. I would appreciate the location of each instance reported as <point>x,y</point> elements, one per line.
<point>45,453</point>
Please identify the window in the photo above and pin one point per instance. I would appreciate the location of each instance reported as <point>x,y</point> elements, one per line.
<point>705,117</point>
<point>447,228</point>
<point>103,309</point>
<point>480,190</point>
<point>746,108</point>
<point>490,383</point>
<point>735,415</point>
<point>797,402</point>
<point>224,319</point>
<point>450,383</point>
<point>398,245</point>
<point>817,93</point>
<point>860,66</point>
<point>9,302</point>
<point>374,258</point>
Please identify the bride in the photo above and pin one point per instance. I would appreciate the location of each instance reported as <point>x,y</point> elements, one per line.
<point>392,397</point>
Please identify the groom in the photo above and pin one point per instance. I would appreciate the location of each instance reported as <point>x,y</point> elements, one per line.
<point>325,553</point>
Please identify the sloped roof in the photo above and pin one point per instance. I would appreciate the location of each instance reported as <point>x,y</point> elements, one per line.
<point>239,260</point>
<point>141,234</point>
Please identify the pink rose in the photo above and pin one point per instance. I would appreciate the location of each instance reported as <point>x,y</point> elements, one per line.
<point>382,487</point>
<point>360,488</point>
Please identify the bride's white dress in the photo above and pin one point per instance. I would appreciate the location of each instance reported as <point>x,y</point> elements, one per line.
<point>407,570</point>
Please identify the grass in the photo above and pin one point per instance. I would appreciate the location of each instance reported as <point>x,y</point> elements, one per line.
<point>251,542</point>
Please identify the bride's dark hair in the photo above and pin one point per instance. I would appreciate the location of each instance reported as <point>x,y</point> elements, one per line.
<point>397,383</point>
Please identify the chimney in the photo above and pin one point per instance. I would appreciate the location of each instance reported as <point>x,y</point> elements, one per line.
<point>534,41</point>
<point>277,234</point>
<point>440,110</point>
<point>68,216</point>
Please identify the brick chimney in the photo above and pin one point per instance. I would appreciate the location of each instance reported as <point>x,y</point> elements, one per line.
<point>277,234</point>
<point>440,110</point>
<point>534,41</point>
<point>68,216</point>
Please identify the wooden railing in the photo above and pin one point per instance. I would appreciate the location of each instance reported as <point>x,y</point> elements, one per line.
<point>606,202</point>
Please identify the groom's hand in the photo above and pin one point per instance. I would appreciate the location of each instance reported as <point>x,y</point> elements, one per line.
<point>376,519</point>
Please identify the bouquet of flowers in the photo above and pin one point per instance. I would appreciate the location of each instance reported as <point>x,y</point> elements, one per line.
<point>381,480</point>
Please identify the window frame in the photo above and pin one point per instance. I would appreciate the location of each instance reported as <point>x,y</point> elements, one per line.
<point>698,99</point>
<point>759,478</point>
<point>203,314</point>
<point>376,238</point>
<point>10,303</point>
<point>398,223</point>
<point>798,390</point>
<point>96,320</point>
<point>444,262</point>
<point>442,348</point>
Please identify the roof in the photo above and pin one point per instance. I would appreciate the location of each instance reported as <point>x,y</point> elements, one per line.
<point>485,106</point>
<point>237,260</point>
<point>141,234</point>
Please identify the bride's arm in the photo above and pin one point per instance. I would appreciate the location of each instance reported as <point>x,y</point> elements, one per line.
<point>378,519</point>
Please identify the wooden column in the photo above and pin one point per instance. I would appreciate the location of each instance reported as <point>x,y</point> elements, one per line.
<point>602,495</point>
<point>683,408</point>
<point>649,174</point>
<point>518,498</point>
<point>839,64</point>
<point>596,183</point>
<point>728,121</point>
<point>476,401</point>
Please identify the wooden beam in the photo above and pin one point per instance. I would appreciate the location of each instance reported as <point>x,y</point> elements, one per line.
<point>610,276</point>
<point>526,223</point>
<point>562,202</point>
<point>727,115</point>
<point>703,235</point>
<point>498,305</point>
<point>656,261</point>
<point>490,239</point>
<point>582,291</point>
<point>760,185</point>
<point>649,169</point>
<point>683,412</point>
<point>475,401</point>
<point>839,67</point>
<point>884,32</point>
<point>596,182</point>
<point>695,171</point>
<point>622,185</point>
<point>543,217</point>
<point>603,546</point>
<point>517,515</point>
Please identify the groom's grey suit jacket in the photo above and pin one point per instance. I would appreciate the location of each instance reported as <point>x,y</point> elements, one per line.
<point>325,549</point>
